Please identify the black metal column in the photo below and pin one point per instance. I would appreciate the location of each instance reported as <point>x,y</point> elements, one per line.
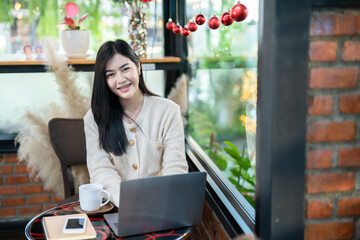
<point>174,44</point>
<point>281,118</point>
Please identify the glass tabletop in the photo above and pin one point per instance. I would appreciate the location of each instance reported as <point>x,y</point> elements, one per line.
<point>34,229</point>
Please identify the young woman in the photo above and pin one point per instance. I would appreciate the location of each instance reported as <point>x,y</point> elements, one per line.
<point>130,132</point>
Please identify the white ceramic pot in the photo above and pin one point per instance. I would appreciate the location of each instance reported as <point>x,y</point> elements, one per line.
<point>75,43</point>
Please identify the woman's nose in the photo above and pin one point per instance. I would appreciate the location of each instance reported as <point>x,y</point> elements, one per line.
<point>120,78</point>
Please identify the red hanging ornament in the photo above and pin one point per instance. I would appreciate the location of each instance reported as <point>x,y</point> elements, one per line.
<point>226,20</point>
<point>185,31</point>
<point>192,26</point>
<point>170,24</point>
<point>214,22</point>
<point>200,19</point>
<point>238,12</point>
<point>177,29</point>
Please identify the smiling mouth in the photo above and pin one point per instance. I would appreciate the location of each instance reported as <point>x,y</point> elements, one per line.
<point>124,87</point>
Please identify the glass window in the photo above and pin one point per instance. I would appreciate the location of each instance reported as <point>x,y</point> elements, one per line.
<point>29,22</point>
<point>223,91</point>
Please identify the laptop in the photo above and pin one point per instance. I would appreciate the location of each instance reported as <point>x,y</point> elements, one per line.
<point>158,203</point>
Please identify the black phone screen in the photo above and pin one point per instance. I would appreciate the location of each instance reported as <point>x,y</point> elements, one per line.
<point>75,223</point>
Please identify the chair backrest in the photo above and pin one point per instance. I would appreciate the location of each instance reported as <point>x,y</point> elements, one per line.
<point>67,137</point>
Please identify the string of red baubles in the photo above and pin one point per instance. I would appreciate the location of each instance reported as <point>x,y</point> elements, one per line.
<point>237,13</point>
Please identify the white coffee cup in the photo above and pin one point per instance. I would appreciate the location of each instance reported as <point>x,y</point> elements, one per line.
<point>90,196</point>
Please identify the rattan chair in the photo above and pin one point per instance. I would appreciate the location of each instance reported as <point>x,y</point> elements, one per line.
<point>67,137</point>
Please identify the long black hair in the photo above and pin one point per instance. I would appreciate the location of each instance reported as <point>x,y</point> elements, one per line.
<point>105,105</point>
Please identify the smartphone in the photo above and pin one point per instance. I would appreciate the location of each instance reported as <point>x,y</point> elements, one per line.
<point>74,225</point>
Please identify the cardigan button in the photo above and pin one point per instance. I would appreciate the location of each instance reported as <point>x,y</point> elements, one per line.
<point>131,142</point>
<point>160,147</point>
<point>135,166</point>
<point>133,129</point>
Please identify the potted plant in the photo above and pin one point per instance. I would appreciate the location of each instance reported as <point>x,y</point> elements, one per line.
<point>75,41</point>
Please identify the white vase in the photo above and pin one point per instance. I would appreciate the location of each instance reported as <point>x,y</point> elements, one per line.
<point>75,43</point>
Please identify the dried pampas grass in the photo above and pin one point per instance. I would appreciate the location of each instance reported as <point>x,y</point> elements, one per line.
<point>178,94</point>
<point>35,146</point>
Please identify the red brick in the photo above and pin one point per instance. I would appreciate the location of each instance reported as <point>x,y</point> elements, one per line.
<point>319,209</point>
<point>334,24</point>
<point>320,105</point>
<point>1,181</point>
<point>330,182</point>
<point>351,51</point>
<point>322,51</point>
<point>349,103</point>
<point>334,77</point>
<point>319,159</point>
<point>349,157</point>
<point>57,199</point>
<point>7,190</point>
<point>50,206</point>
<point>30,189</point>
<point>38,199</point>
<point>7,212</point>
<point>49,190</point>
<point>331,131</point>
<point>33,210</point>
<point>16,179</point>
<point>21,169</point>
<point>10,158</point>
<point>6,169</point>
<point>349,207</point>
<point>15,201</point>
<point>329,231</point>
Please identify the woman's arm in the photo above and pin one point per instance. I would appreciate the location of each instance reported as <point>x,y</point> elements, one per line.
<point>174,161</point>
<point>101,170</point>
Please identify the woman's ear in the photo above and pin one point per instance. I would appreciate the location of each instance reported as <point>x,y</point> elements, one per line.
<point>139,67</point>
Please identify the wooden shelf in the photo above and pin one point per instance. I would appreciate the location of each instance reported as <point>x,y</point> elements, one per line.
<point>166,63</point>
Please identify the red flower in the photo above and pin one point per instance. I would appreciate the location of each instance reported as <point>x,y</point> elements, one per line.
<point>145,1</point>
<point>72,10</point>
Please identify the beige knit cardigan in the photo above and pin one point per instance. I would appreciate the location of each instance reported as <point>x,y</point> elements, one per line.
<point>156,147</point>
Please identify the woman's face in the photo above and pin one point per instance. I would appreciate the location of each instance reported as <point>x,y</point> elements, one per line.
<point>122,76</point>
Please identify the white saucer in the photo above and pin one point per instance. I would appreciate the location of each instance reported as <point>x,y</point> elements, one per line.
<point>77,56</point>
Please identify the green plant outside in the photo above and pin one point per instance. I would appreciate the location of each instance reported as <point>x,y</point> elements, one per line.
<point>5,8</point>
<point>235,165</point>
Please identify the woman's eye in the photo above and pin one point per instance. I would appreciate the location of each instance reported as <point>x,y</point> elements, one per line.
<point>126,69</point>
<point>110,75</point>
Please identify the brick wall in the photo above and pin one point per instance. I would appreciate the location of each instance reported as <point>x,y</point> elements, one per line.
<point>333,146</point>
<point>21,197</point>
<point>210,227</point>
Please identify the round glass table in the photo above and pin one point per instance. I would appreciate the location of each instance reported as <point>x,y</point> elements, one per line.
<point>34,229</point>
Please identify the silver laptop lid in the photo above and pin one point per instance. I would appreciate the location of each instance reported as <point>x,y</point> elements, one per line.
<point>160,203</point>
